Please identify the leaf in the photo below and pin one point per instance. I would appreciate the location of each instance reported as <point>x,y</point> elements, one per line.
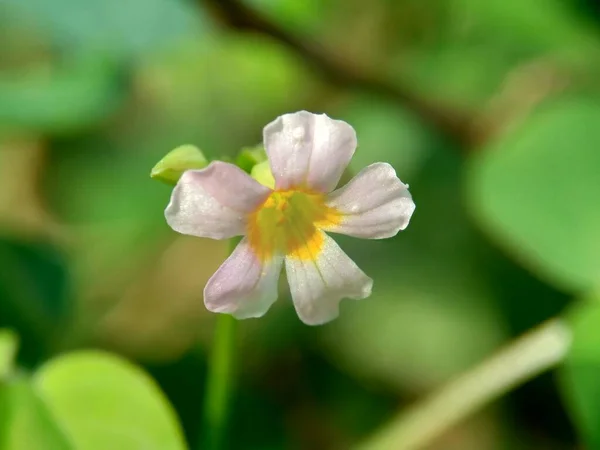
<point>103,402</point>
<point>123,27</point>
<point>537,192</point>
<point>400,337</point>
<point>387,132</point>
<point>249,157</point>
<point>581,371</point>
<point>34,289</point>
<point>547,25</point>
<point>29,425</point>
<point>308,16</point>
<point>8,349</point>
<point>71,96</point>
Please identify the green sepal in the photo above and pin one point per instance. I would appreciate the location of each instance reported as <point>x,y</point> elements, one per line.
<point>261,172</point>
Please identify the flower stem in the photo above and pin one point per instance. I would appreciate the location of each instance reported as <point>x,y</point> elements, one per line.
<point>523,359</point>
<point>219,384</point>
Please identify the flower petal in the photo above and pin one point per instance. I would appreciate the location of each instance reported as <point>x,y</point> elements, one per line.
<point>317,285</point>
<point>308,150</point>
<point>243,286</point>
<point>375,204</point>
<point>214,202</point>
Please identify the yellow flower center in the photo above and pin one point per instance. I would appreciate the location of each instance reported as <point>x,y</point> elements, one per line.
<point>288,223</point>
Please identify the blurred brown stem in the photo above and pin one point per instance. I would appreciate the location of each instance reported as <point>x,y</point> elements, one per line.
<point>454,125</point>
<point>23,211</point>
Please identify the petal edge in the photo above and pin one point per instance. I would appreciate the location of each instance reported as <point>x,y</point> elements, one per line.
<point>318,286</point>
<point>375,204</point>
<point>243,286</point>
<point>214,202</point>
<point>308,150</point>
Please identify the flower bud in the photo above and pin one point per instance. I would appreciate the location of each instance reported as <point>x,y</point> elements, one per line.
<point>171,167</point>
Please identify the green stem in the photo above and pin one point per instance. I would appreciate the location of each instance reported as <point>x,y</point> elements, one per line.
<point>537,351</point>
<point>219,385</point>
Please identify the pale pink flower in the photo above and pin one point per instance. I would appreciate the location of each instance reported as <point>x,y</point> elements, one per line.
<point>286,225</point>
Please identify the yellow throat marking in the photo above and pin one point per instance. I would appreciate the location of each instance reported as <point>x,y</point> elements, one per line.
<point>288,223</point>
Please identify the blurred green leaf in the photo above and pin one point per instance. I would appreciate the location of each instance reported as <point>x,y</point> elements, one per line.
<point>540,25</point>
<point>101,187</point>
<point>453,63</point>
<point>460,73</point>
<point>401,335</point>
<point>4,414</point>
<point>581,371</point>
<point>30,424</point>
<point>204,99</point>
<point>33,294</point>
<point>59,99</point>
<point>117,27</point>
<point>537,189</point>
<point>33,272</point>
<point>307,16</point>
<point>103,402</point>
<point>112,184</point>
<point>8,349</point>
<point>250,157</point>
<point>387,132</point>
<point>171,167</point>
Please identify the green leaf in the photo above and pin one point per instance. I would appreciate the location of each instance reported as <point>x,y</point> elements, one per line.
<point>171,167</point>
<point>68,97</point>
<point>8,349</point>
<point>307,16</point>
<point>537,191</point>
<point>544,25</point>
<point>104,402</point>
<point>580,374</point>
<point>34,288</point>
<point>249,157</point>
<point>4,414</point>
<point>387,132</point>
<point>29,425</point>
<point>124,27</point>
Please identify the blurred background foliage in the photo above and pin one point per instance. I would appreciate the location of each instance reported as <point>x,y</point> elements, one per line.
<point>489,109</point>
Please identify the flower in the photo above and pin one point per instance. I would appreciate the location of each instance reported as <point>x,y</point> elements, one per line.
<point>307,154</point>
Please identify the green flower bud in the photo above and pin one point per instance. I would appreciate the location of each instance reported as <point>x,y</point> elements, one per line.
<point>171,167</point>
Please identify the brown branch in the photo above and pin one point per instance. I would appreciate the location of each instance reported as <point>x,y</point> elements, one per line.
<point>454,125</point>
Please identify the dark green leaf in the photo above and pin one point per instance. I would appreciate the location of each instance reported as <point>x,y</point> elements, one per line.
<point>249,157</point>
<point>8,349</point>
<point>33,294</point>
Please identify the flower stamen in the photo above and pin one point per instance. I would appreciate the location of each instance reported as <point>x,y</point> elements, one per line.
<point>288,223</point>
